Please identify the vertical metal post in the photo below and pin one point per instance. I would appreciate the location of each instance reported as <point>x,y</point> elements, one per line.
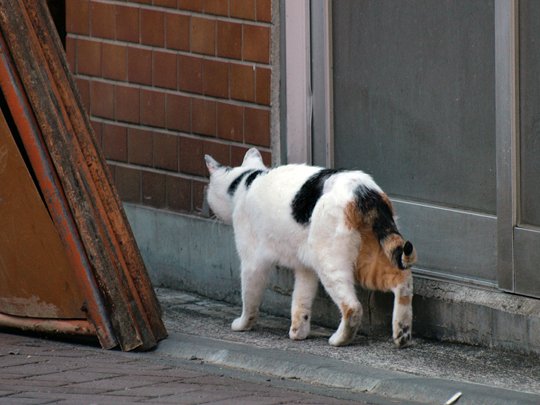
<point>322,82</point>
<point>507,133</point>
<point>298,81</point>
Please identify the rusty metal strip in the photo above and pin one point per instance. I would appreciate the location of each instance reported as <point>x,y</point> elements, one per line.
<point>54,197</point>
<point>57,63</point>
<point>67,327</point>
<point>79,189</point>
<point>97,190</point>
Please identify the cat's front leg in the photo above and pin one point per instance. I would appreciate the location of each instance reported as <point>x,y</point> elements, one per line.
<point>402,315</point>
<point>254,275</point>
<point>305,289</point>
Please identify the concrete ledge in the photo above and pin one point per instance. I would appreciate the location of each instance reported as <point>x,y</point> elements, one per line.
<point>198,255</point>
<point>308,368</point>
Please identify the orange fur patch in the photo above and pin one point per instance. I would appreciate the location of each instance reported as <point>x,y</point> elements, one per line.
<point>373,269</point>
<point>346,311</point>
<point>405,300</point>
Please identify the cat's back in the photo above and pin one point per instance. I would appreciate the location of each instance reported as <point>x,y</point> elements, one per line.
<point>278,187</point>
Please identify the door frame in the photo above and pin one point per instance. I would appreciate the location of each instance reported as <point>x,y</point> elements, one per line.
<point>319,104</point>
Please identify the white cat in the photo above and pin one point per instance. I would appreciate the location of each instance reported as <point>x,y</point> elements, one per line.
<point>332,225</point>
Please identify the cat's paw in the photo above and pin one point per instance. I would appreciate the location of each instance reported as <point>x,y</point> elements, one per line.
<point>403,336</point>
<point>300,331</point>
<point>342,338</point>
<point>242,324</point>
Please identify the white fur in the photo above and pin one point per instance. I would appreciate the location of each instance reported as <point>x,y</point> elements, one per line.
<point>267,234</point>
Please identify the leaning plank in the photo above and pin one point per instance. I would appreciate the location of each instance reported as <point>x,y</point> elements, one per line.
<point>84,195</point>
<point>54,197</point>
<point>53,52</point>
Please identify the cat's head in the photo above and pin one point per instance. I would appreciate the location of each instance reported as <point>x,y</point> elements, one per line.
<point>219,195</point>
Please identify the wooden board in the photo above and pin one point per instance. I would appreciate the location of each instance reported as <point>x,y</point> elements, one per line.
<point>35,277</point>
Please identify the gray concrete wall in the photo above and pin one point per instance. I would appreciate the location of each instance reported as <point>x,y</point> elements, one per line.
<point>198,255</point>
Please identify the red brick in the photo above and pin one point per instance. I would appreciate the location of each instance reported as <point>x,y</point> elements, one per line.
<point>111,168</point>
<point>153,189</point>
<point>238,153</point>
<point>71,53</point>
<point>191,156</point>
<point>217,7</point>
<point>190,74</point>
<point>198,196</point>
<point>97,127</point>
<point>256,43</point>
<point>178,112</point>
<point>178,193</point>
<point>219,151</point>
<point>230,122</point>
<point>264,10</point>
<point>78,16</point>
<point>242,85</point>
<point>257,127</point>
<point>128,184</point>
<point>83,86</point>
<point>152,108</point>
<point>244,9</point>
<point>177,28</point>
<point>127,23</point>
<point>203,36</point>
<point>103,20</point>
<point>215,78</point>
<point>102,99</point>
<point>115,142</point>
<point>127,104</point>
<point>164,70</point>
<point>165,3</point>
<point>152,27</point>
<point>229,40</point>
<point>190,5</point>
<point>165,151</point>
<point>203,117</point>
<point>88,57</point>
<point>114,61</point>
<point>140,147</point>
<point>263,82</point>
<point>139,65</point>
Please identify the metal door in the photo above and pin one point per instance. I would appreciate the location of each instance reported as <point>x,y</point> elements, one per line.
<point>527,226</point>
<point>414,105</point>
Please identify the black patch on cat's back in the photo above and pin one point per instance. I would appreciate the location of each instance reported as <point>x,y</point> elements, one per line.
<point>306,198</point>
<point>253,176</point>
<point>236,182</point>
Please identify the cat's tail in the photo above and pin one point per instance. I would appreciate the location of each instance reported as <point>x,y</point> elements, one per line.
<point>372,211</point>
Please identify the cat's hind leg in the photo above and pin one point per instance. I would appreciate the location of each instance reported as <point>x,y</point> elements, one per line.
<point>305,289</point>
<point>402,314</point>
<point>339,284</point>
<point>254,275</point>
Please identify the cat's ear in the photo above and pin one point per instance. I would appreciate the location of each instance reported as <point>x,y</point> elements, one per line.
<point>252,156</point>
<point>211,163</point>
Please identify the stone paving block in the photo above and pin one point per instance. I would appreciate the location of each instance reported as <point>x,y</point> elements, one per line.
<point>124,382</point>
<point>157,390</point>
<point>68,398</point>
<point>41,367</point>
<point>201,396</point>
<point>71,377</point>
<point>21,384</point>
<point>28,401</point>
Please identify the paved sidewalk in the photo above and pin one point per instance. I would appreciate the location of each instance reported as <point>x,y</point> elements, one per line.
<point>41,371</point>
<point>428,372</point>
<point>204,362</point>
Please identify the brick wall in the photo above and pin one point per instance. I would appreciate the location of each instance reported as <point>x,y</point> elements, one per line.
<point>166,81</point>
